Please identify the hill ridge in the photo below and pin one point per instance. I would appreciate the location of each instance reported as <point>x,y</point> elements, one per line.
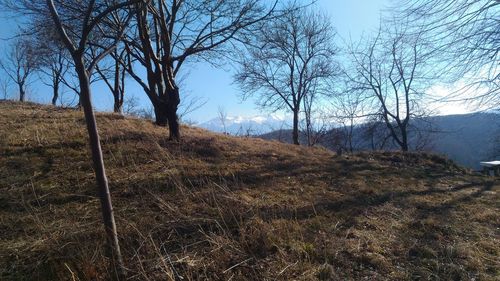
<point>215,207</point>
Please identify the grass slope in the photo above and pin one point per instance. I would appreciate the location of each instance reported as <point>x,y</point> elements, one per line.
<point>215,207</point>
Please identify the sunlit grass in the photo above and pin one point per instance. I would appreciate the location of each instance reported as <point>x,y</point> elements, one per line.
<point>215,207</point>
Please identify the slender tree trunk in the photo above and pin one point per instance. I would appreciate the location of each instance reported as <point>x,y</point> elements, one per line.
<point>404,148</point>
<point>351,129</point>
<point>55,96</point>
<point>404,140</point>
<point>308,126</point>
<point>160,108</point>
<point>100,172</point>
<point>173,124</point>
<point>118,91</point>
<point>55,93</point>
<point>173,119</point>
<point>295,132</point>
<point>166,113</point>
<point>22,93</point>
<point>118,102</point>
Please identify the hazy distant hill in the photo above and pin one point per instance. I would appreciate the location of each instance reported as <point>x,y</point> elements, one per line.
<point>467,139</point>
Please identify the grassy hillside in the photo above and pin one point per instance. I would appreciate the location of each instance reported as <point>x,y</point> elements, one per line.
<point>215,207</point>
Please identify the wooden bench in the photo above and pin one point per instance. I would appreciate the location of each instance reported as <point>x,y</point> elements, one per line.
<point>491,166</point>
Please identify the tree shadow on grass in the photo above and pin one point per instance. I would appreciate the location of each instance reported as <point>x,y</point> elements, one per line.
<point>357,203</point>
<point>437,239</point>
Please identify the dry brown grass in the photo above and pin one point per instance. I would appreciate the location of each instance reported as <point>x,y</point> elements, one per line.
<point>215,207</point>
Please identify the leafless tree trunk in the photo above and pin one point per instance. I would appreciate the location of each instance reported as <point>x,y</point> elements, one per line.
<point>316,122</point>
<point>290,61</point>
<point>55,86</point>
<point>55,67</point>
<point>393,72</point>
<point>114,78</point>
<point>295,125</point>
<point>168,33</point>
<point>90,20</point>
<point>222,115</point>
<point>20,65</point>
<point>308,104</point>
<point>375,131</point>
<point>348,111</point>
<point>100,171</point>
<point>71,81</point>
<point>50,53</point>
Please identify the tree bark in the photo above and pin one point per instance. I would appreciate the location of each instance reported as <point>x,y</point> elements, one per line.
<point>295,132</point>
<point>350,135</point>
<point>118,91</point>
<point>55,94</point>
<point>404,139</point>
<point>118,102</point>
<point>100,171</point>
<point>166,115</point>
<point>161,118</point>
<point>22,93</point>
<point>165,108</point>
<point>173,119</point>
<point>173,123</point>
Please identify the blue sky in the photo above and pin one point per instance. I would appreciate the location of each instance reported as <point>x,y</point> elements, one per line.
<point>351,18</point>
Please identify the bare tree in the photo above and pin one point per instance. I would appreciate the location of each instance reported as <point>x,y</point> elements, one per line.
<point>92,14</point>
<point>131,105</point>
<point>53,66</point>
<point>57,67</point>
<point>222,115</point>
<point>290,62</point>
<point>466,38</point>
<point>393,72</point>
<point>375,132</point>
<point>49,52</point>
<point>114,77</point>
<point>76,22</point>
<point>168,33</point>
<point>20,64</point>
<point>315,122</point>
<point>348,111</point>
<point>113,71</point>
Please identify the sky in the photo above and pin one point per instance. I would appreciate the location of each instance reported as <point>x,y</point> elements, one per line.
<point>350,18</point>
<point>214,85</point>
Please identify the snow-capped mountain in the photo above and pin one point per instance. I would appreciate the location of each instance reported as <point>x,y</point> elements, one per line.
<point>247,125</point>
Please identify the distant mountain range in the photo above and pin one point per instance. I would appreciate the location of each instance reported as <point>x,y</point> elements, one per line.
<point>252,125</point>
<point>467,139</point>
